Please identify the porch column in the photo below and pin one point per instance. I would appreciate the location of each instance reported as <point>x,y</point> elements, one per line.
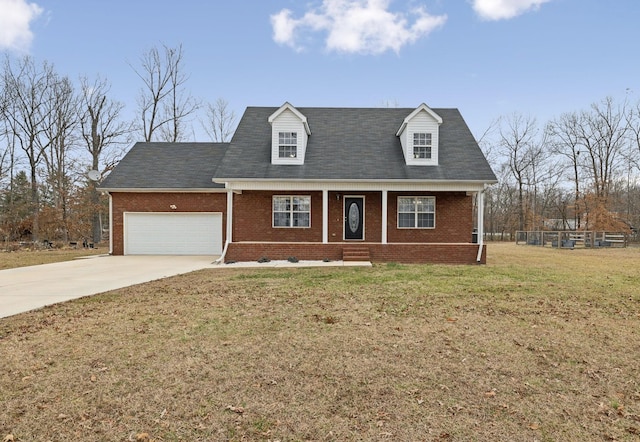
<point>229,216</point>
<point>325,216</point>
<point>384,216</point>
<point>111,224</point>
<point>480,224</point>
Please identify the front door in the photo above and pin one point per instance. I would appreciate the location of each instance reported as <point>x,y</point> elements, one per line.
<point>354,218</point>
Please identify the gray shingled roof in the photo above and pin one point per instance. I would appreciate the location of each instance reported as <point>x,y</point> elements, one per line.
<point>345,144</point>
<point>353,143</point>
<point>167,166</point>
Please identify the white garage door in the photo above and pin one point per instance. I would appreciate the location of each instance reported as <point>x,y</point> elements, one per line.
<point>172,233</point>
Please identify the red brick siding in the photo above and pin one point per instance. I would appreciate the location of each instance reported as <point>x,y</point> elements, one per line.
<point>401,253</point>
<point>255,237</point>
<point>427,253</point>
<point>372,218</point>
<point>253,218</point>
<point>160,202</point>
<point>454,219</point>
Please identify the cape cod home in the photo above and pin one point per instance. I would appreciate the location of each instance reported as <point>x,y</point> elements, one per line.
<point>379,184</point>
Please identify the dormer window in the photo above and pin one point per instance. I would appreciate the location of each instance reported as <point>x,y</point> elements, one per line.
<point>419,135</point>
<point>287,145</point>
<point>289,136</point>
<point>422,145</point>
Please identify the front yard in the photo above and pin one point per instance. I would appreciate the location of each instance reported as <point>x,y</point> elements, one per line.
<point>539,344</point>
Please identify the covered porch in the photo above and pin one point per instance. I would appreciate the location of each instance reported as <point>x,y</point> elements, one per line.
<point>357,221</point>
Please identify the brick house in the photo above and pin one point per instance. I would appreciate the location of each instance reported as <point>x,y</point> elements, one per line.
<point>381,184</point>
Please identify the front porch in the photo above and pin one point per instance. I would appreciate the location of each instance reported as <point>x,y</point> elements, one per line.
<point>359,224</point>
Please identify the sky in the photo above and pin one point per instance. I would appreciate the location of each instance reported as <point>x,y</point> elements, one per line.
<point>488,58</point>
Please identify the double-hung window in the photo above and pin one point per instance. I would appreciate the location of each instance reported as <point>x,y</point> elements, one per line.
<point>291,211</point>
<point>287,144</point>
<point>422,145</point>
<point>416,212</point>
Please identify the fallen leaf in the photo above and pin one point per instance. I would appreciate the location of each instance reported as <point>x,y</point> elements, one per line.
<point>142,437</point>
<point>238,410</point>
<point>534,426</point>
<point>9,438</point>
<point>452,319</point>
<point>491,393</point>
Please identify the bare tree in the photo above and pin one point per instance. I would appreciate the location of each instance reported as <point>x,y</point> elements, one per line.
<point>163,104</point>
<point>59,130</point>
<point>564,136</point>
<point>27,109</point>
<point>104,135</point>
<point>633,125</point>
<point>520,144</point>
<point>603,134</point>
<point>220,123</point>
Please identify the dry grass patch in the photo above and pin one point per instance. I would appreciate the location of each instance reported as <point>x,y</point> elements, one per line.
<point>24,257</point>
<point>539,344</point>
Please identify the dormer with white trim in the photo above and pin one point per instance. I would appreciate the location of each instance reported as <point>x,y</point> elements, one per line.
<point>419,136</point>
<point>289,135</point>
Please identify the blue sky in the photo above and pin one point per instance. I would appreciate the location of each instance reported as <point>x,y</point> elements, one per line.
<point>486,57</point>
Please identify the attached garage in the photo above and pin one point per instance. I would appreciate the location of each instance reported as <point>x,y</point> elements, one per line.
<point>154,233</point>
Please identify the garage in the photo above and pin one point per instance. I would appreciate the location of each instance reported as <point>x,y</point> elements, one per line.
<point>172,233</point>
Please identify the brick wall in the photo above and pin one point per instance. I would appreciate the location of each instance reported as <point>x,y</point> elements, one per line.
<point>401,253</point>
<point>253,218</point>
<point>161,202</point>
<point>372,219</point>
<point>254,236</point>
<point>454,219</point>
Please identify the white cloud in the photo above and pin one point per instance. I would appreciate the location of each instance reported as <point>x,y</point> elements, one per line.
<point>504,9</point>
<point>356,26</point>
<point>15,18</point>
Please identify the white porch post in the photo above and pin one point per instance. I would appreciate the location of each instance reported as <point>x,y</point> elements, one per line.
<point>325,216</point>
<point>384,216</point>
<point>480,224</point>
<point>229,216</point>
<point>111,225</point>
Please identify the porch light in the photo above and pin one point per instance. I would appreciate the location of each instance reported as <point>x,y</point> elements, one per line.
<point>173,207</point>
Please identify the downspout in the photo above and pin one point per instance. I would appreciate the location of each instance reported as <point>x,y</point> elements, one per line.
<point>224,252</point>
<point>229,227</point>
<point>480,223</point>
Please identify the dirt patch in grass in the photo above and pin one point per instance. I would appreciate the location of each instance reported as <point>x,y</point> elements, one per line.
<point>539,344</point>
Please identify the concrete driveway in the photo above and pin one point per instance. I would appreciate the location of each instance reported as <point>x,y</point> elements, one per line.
<point>28,288</point>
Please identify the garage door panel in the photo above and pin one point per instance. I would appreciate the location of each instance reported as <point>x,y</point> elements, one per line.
<point>173,234</point>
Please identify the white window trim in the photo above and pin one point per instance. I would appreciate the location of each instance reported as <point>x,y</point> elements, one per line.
<point>415,213</point>
<point>280,145</point>
<point>430,146</point>
<point>273,211</point>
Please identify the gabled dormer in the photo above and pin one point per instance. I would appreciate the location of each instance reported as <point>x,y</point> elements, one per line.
<point>289,135</point>
<point>419,136</point>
